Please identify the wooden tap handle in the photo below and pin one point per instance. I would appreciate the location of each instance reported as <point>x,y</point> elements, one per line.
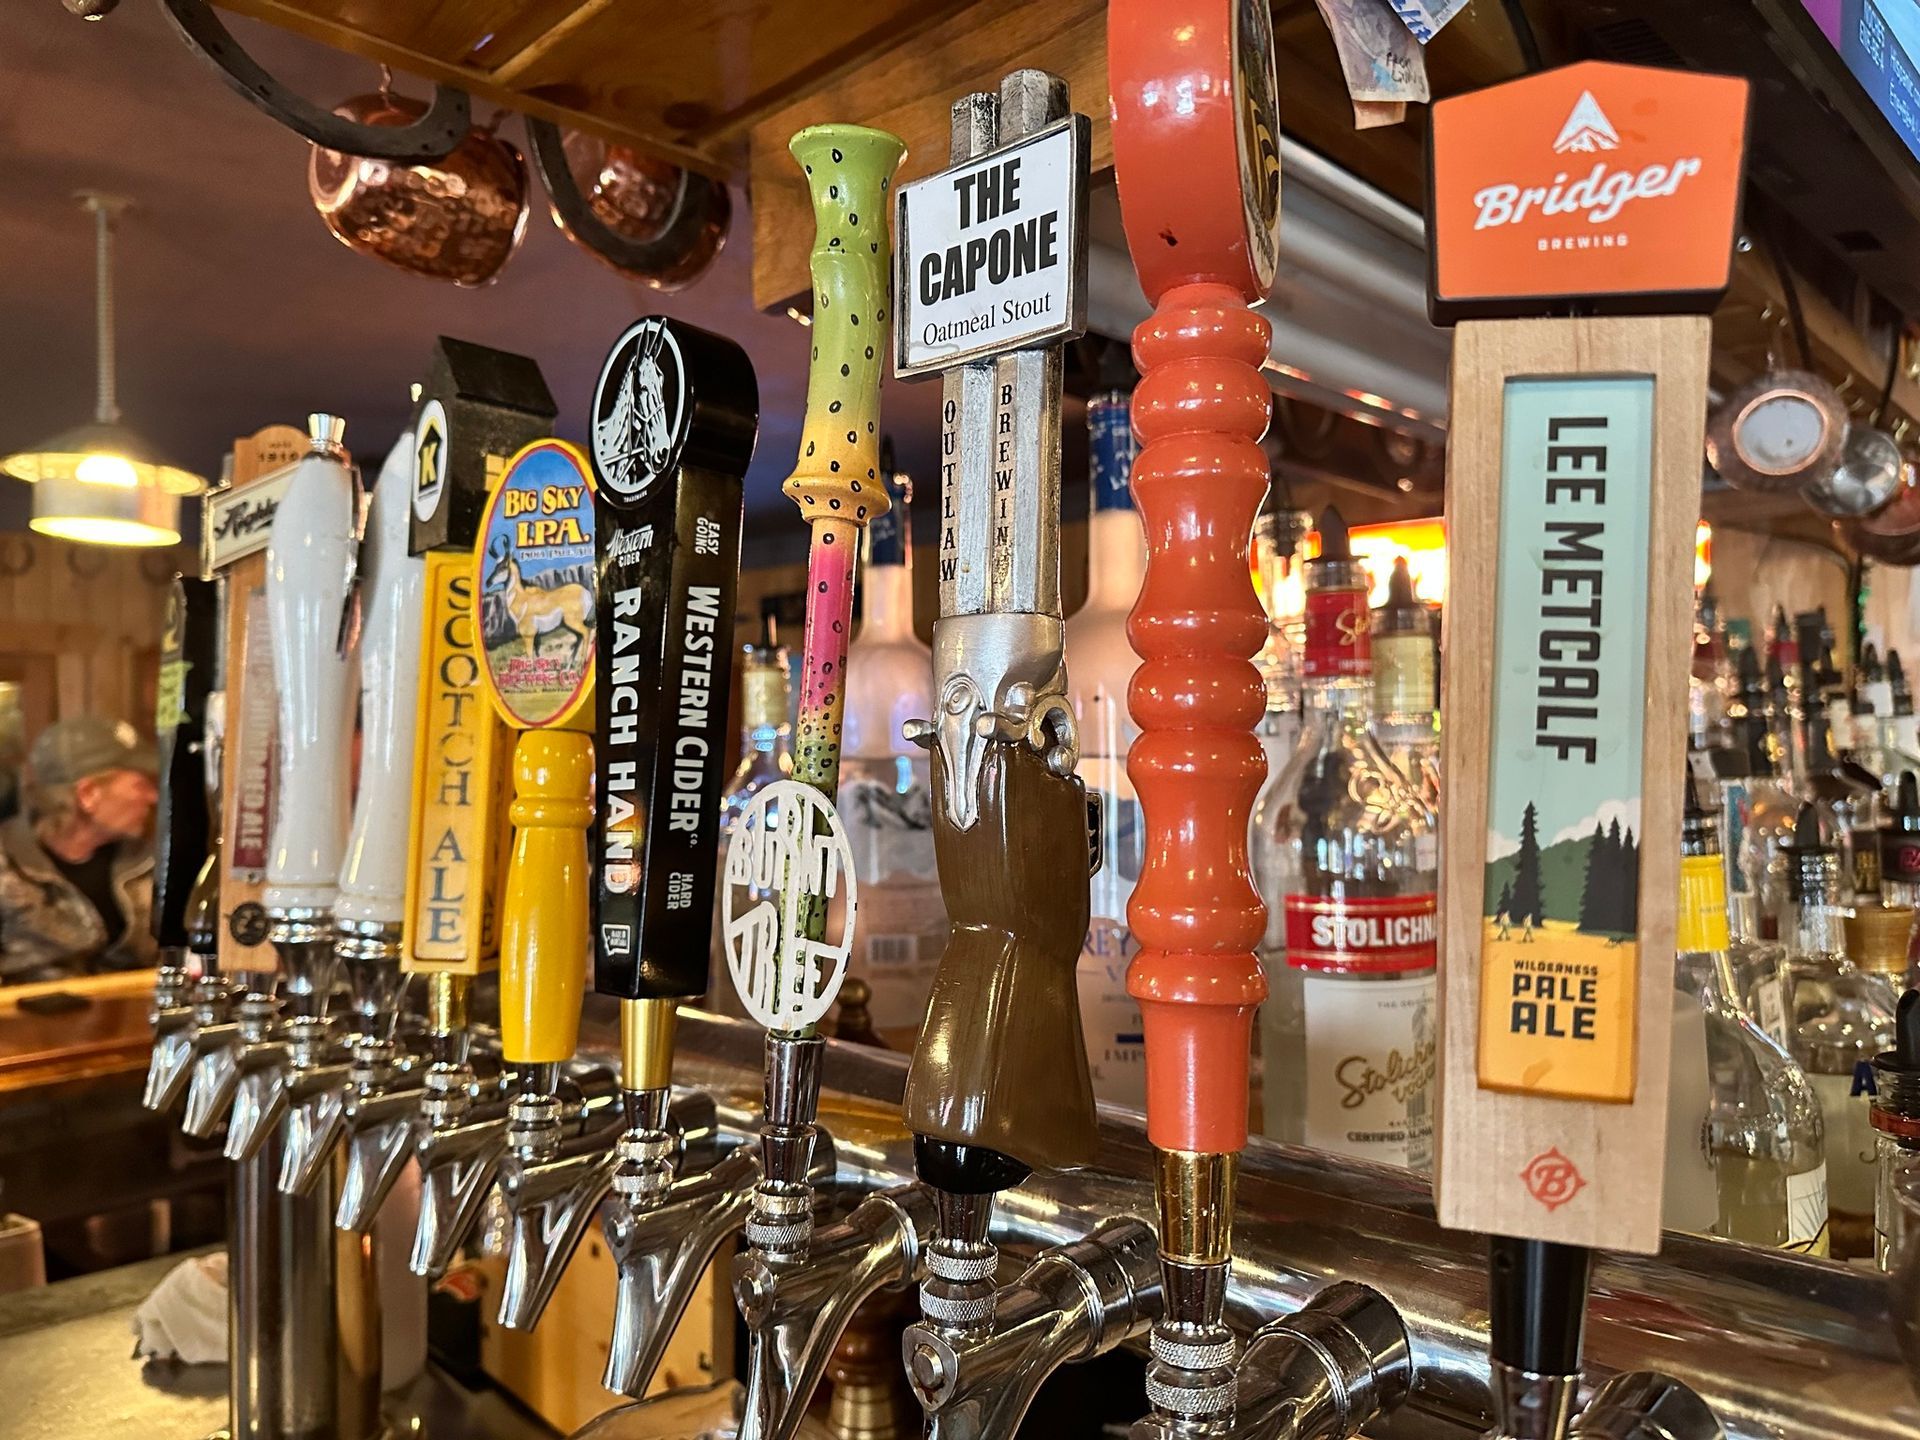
<point>1199,197</point>
<point>543,930</point>
<point>1000,1064</point>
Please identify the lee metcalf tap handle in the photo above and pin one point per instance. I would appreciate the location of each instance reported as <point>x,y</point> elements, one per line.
<point>675,418</point>
<point>181,828</point>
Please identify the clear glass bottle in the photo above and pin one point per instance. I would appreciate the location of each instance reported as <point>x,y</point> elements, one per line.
<point>885,798</point>
<point>1763,1126</point>
<point>1900,861</point>
<point>1100,666</point>
<point>1895,1114</point>
<point>1757,814</point>
<point>1849,796</point>
<point>766,746</point>
<point>1344,857</point>
<point>1839,1016</point>
<point>1404,663</point>
<point>1276,540</point>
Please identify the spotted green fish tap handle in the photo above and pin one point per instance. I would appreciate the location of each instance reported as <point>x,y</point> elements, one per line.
<point>836,481</point>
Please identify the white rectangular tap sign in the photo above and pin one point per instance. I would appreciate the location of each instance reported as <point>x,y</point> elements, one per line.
<point>989,253</point>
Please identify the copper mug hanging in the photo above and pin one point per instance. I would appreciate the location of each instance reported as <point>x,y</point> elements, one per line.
<point>457,219</point>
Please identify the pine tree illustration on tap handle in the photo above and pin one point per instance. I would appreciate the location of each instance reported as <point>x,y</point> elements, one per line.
<point>1200,200</point>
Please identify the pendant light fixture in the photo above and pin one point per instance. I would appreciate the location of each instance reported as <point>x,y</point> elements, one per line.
<point>103,483</point>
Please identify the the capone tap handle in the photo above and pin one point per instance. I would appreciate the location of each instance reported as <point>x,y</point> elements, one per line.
<point>675,417</point>
<point>310,566</point>
<point>534,572</point>
<point>1000,1065</point>
<point>373,881</point>
<point>182,828</point>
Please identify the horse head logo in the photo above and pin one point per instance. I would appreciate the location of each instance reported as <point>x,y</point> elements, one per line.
<point>634,439</point>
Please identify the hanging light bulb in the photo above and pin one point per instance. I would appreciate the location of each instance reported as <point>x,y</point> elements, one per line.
<point>102,482</point>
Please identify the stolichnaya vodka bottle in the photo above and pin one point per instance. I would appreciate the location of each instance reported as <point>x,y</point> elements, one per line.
<point>1100,666</point>
<point>886,795</point>
<point>1839,1016</point>
<point>1762,1127</point>
<point>1344,855</point>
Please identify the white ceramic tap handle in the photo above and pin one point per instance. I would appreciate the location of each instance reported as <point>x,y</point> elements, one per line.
<point>373,882</point>
<point>309,562</point>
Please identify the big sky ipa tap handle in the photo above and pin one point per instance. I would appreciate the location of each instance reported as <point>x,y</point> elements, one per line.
<point>1573,487</point>
<point>999,1081</point>
<point>837,484</point>
<point>676,414</point>
<point>181,828</point>
<point>1200,199</point>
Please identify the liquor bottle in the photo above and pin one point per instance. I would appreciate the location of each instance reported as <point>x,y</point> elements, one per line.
<point>1839,1016</point>
<point>886,794</point>
<point>1344,857</point>
<point>1100,666</point>
<point>1757,815</point>
<point>1709,685</point>
<point>766,746</point>
<point>1906,726</point>
<point>1895,1113</point>
<point>1763,1124</point>
<point>1403,680</point>
<point>1900,860</point>
<point>1849,796</point>
<point>1276,538</point>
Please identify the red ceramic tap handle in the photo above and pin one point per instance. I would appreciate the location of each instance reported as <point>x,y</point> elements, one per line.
<point>1195,140</point>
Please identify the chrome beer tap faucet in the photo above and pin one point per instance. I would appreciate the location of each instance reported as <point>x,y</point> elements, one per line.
<point>1074,1302</point>
<point>182,830</point>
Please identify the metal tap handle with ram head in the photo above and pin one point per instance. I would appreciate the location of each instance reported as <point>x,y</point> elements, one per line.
<point>1000,1070</point>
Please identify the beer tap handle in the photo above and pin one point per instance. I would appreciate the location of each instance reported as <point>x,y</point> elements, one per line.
<point>1200,201</point>
<point>373,881</point>
<point>543,939</point>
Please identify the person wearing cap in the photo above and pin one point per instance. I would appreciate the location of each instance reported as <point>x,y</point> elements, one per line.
<point>76,866</point>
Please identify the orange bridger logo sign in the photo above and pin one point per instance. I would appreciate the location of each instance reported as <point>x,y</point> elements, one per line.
<point>1612,184</point>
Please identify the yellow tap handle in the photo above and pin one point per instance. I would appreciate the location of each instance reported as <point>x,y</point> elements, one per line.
<point>543,929</point>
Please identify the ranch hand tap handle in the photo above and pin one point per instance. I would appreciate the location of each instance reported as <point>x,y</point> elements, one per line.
<point>676,414</point>
<point>838,486</point>
<point>1200,201</point>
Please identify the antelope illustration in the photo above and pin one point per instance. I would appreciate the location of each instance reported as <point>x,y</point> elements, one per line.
<point>637,427</point>
<point>537,609</point>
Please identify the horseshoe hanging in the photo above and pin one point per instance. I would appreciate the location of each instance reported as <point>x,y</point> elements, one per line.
<point>432,137</point>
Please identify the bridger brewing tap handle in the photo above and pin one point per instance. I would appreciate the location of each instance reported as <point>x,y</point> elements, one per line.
<point>1200,199</point>
<point>999,1084</point>
<point>676,414</point>
<point>1576,405</point>
<point>837,485</point>
<point>533,578</point>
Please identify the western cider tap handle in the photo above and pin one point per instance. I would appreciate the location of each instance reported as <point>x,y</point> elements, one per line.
<point>183,825</point>
<point>534,577</point>
<point>310,566</point>
<point>1200,200</point>
<point>675,416</point>
<point>373,881</point>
